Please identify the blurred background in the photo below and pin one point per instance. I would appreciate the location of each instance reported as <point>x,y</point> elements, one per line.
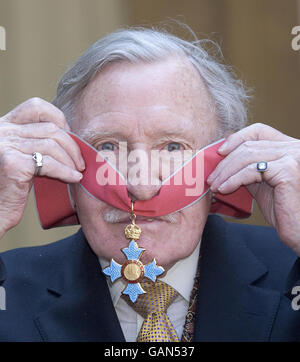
<point>43,37</point>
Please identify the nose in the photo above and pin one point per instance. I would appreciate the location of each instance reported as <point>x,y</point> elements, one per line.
<point>142,192</point>
<point>143,178</point>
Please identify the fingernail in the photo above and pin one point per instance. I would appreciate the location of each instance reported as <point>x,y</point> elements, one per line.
<point>223,147</point>
<point>78,175</point>
<point>82,166</point>
<point>221,187</point>
<point>211,177</point>
<point>213,188</point>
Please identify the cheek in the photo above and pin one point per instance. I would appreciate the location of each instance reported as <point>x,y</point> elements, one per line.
<point>178,241</point>
<point>105,239</point>
<point>193,223</point>
<point>87,208</point>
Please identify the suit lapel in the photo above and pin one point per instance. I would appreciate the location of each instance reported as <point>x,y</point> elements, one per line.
<point>229,306</point>
<point>77,302</point>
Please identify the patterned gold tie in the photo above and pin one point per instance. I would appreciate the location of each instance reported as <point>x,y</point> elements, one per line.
<point>152,306</point>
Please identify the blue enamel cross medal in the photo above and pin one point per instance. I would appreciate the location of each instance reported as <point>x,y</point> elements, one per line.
<point>133,270</point>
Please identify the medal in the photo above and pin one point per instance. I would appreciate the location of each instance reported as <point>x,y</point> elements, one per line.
<point>133,270</point>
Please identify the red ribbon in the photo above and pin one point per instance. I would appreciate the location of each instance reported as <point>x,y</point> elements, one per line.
<point>55,208</point>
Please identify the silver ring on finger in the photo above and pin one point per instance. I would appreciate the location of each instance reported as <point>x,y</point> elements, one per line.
<point>38,158</point>
<point>261,167</point>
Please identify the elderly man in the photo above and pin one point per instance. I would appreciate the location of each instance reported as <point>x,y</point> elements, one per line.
<point>151,91</point>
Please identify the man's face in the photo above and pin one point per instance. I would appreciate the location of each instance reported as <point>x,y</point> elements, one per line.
<point>158,106</point>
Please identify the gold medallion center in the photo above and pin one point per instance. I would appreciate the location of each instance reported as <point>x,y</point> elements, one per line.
<point>133,271</point>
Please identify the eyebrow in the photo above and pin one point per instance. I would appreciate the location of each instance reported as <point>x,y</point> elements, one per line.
<point>91,134</point>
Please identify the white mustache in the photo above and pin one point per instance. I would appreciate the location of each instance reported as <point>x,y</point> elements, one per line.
<point>113,216</point>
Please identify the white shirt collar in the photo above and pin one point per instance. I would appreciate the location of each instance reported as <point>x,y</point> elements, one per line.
<point>180,277</point>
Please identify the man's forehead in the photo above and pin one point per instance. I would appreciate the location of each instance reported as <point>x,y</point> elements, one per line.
<point>169,77</point>
<point>162,122</point>
<point>149,92</point>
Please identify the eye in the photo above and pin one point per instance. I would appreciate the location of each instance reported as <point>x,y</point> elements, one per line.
<point>107,146</point>
<point>173,146</point>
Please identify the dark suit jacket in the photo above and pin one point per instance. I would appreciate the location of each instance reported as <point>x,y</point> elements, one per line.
<point>57,292</point>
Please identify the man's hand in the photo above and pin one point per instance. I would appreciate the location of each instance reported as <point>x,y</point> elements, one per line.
<point>278,195</point>
<point>33,126</point>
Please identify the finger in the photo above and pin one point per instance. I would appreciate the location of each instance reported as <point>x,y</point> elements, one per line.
<point>246,176</point>
<point>57,170</point>
<point>20,168</point>
<point>280,171</point>
<point>245,154</point>
<point>36,110</point>
<point>255,132</point>
<point>46,146</point>
<point>45,130</point>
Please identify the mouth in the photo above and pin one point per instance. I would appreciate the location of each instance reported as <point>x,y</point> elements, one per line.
<point>141,220</point>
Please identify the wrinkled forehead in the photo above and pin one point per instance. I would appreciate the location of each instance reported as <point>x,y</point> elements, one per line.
<point>172,88</point>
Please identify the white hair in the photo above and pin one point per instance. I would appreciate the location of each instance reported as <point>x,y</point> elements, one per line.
<point>139,44</point>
